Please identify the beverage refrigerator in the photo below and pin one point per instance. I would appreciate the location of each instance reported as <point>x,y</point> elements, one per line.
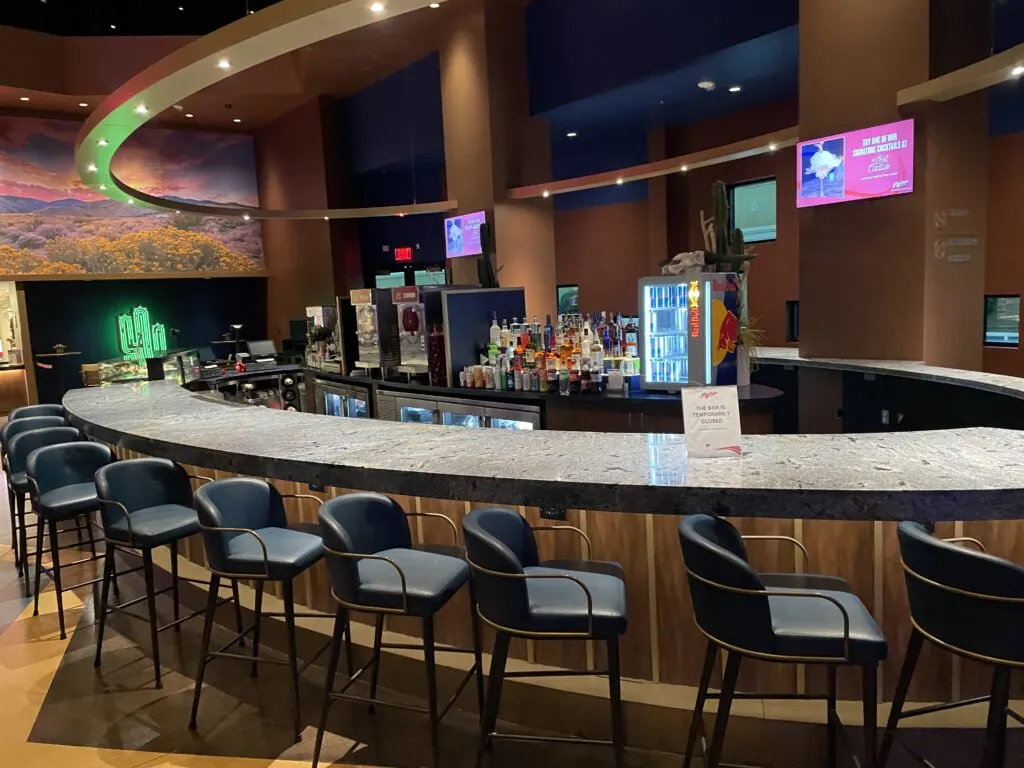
<point>418,409</point>
<point>689,328</point>
<point>339,400</point>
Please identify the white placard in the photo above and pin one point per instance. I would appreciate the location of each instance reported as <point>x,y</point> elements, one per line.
<point>711,419</point>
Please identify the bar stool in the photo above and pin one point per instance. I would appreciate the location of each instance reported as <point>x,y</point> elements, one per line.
<point>375,568</point>
<point>7,433</point>
<point>971,604</point>
<point>44,409</point>
<point>61,477</point>
<point>246,536</point>
<point>18,449</point>
<point>145,504</point>
<point>520,597</point>
<point>737,614</point>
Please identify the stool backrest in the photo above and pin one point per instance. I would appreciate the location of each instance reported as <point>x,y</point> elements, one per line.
<point>359,524</point>
<point>44,409</point>
<point>723,586</point>
<point>23,444</point>
<point>139,484</point>
<point>970,601</point>
<point>12,428</point>
<point>237,502</point>
<point>56,466</point>
<point>500,540</point>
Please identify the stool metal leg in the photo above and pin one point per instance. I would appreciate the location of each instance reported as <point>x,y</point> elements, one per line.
<point>350,664</point>
<point>147,570</point>
<point>101,618</point>
<point>238,611</point>
<point>831,718</point>
<point>869,674</point>
<point>477,651</point>
<point>615,694</point>
<point>428,659</point>
<point>340,631</point>
<point>293,663</point>
<point>378,636</point>
<point>698,709</point>
<point>211,606</point>
<point>256,628</point>
<point>732,672</point>
<point>914,645</point>
<point>87,520</point>
<point>174,583</point>
<point>39,565</point>
<point>494,681</point>
<point>14,533</point>
<point>55,565</point>
<point>23,538</point>
<point>995,730</point>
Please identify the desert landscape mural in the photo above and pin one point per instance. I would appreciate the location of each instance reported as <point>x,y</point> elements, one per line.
<point>52,224</point>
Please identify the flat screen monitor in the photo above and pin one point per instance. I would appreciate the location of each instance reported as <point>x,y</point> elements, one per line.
<point>390,280</point>
<point>430,277</point>
<point>263,348</point>
<point>462,235</point>
<point>858,165</point>
<point>568,299</point>
<point>206,355</point>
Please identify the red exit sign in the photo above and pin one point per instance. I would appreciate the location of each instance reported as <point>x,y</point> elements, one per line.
<point>403,254</point>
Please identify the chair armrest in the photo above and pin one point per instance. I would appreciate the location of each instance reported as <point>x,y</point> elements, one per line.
<point>451,523</point>
<point>251,532</point>
<point>790,539</point>
<point>563,576</point>
<point>966,540</point>
<point>127,517</point>
<point>572,529</point>
<point>396,566</point>
<point>302,496</point>
<point>203,478</point>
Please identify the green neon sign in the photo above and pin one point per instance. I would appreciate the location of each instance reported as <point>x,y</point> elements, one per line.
<point>138,338</point>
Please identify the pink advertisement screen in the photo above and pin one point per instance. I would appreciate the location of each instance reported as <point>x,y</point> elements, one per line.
<point>462,235</point>
<point>874,162</point>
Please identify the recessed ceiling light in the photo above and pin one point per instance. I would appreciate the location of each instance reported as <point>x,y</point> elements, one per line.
<point>224,64</point>
<point>683,169</point>
<point>771,147</point>
<point>181,8</point>
<point>546,193</point>
<point>706,85</point>
<point>113,26</point>
<point>189,114</point>
<point>131,202</point>
<point>377,7</point>
<point>246,216</point>
<point>237,120</point>
<point>1017,71</point>
<point>102,142</point>
<point>327,218</point>
<point>83,104</point>
<point>25,98</point>
<point>735,89</point>
<point>91,168</point>
<point>141,110</point>
<point>620,181</point>
<point>571,135</point>
<point>435,5</point>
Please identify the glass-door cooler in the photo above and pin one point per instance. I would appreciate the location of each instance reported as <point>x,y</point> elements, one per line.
<point>689,330</point>
<point>351,402</point>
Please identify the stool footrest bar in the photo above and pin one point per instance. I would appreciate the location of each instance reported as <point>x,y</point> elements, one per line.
<point>549,739</point>
<point>942,707</point>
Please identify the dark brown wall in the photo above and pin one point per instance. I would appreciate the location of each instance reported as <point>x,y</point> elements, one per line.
<point>291,174</point>
<point>603,249</point>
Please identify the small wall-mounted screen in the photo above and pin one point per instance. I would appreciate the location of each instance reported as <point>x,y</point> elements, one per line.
<point>462,235</point>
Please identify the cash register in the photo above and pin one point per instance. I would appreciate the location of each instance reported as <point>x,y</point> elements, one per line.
<point>262,355</point>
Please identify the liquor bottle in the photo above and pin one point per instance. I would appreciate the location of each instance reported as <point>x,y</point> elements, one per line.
<point>576,358</point>
<point>565,350</point>
<point>502,377</point>
<point>510,376</point>
<point>542,371</point>
<point>597,355</point>
<point>632,339</point>
<point>529,351</point>
<point>537,334</point>
<point>495,331</point>
<point>549,334</point>
<point>505,339</point>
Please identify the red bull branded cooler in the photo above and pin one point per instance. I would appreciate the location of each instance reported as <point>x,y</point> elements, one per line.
<point>689,328</point>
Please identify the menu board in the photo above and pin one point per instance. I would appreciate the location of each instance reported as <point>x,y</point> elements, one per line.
<point>858,165</point>
<point>462,235</point>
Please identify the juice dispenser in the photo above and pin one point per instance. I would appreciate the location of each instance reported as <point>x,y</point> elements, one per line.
<point>376,328</point>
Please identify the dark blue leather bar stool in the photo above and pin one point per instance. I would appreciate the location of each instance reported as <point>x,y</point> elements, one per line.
<point>18,449</point>
<point>972,604</point>
<point>61,477</point>
<point>741,615</point>
<point>522,597</point>
<point>246,536</point>
<point>30,411</point>
<point>145,504</point>
<point>376,569</point>
<point>16,498</point>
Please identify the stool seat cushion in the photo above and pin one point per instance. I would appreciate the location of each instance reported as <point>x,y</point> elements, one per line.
<point>813,628</point>
<point>289,553</point>
<point>559,605</point>
<point>153,526</point>
<point>19,482</point>
<point>430,580</point>
<point>68,501</point>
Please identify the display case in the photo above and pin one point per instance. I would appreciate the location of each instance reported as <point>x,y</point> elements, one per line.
<point>117,370</point>
<point>181,365</point>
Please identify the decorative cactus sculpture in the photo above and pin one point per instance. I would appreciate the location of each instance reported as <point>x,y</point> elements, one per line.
<point>485,271</point>
<point>723,249</point>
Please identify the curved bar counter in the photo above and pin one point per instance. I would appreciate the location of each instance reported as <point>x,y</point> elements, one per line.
<point>838,494</point>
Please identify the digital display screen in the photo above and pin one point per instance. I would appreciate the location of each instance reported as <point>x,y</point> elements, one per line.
<point>857,165</point>
<point>462,235</point>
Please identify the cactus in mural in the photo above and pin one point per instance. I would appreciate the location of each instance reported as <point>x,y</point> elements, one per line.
<point>138,337</point>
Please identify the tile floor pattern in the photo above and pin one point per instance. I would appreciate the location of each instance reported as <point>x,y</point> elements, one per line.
<point>56,709</point>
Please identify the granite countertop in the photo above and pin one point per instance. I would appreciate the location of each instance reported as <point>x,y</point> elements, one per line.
<point>1000,384</point>
<point>966,474</point>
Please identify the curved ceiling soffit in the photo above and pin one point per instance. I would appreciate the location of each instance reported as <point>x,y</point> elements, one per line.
<point>253,39</point>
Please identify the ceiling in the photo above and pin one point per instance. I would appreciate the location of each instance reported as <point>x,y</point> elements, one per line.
<point>125,17</point>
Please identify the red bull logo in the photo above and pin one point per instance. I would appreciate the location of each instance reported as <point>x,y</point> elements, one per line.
<point>728,333</point>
